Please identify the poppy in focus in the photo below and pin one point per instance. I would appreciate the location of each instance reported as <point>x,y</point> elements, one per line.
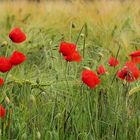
<point>101,70</point>
<point>17,36</point>
<point>90,78</point>
<point>113,62</point>
<point>67,49</point>
<point>5,64</point>
<point>75,56</point>
<point>2,111</point>
<point>17,58</point>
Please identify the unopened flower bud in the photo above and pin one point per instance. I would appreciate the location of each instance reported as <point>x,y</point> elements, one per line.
<point>82,35</point>
<point>4,43</point>
<point>24,136</point>
<point>32,99</point>
<point>100,54</point>
<point>87,68</point>
<point>38,135</point>
<point>7,100</point>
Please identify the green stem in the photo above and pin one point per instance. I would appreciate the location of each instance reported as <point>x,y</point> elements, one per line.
<point>115,62</point>
<point>80,34</point>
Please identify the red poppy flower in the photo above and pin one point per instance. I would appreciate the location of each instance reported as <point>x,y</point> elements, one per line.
<point>17,36</point>
<point>17,58</point>
<point>1,81</point>
<point>135,54</point>
<point>122,73</point>
<point>130,72</point>
<point>101,70</point>
<point>135,60</point>
<point>5,64</point>
<point>67,49</point>
<point>73,57</point>
<point>90,78</point>
<point>113,62</point>
<point>2,111</point>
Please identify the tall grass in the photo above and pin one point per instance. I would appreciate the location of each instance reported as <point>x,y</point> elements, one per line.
<point>47,98</point>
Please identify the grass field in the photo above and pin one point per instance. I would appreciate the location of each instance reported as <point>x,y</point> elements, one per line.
<point>44,97</point>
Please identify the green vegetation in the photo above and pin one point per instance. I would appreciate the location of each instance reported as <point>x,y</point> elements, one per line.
<point>47,98</point>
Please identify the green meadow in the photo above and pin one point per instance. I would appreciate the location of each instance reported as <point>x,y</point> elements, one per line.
<point>44,97</point>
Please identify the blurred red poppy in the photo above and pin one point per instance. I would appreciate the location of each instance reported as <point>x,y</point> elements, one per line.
<point>2,111</point>
<point>135,60</point>
<point>5,64</point>
<point>129,72</point>
<point>90,78</point>
<point>17,58</point>
<point>67,49</point>
<point>17,36</point>
<point>113,62</point>
<point>1,81</point>
<point>75,56</point>
<point>101,70</point>
<point>135,54</point>
<point>122,73</point>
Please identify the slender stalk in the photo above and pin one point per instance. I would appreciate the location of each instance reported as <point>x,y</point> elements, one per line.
<point>80,34</point>
<point>115,62</point>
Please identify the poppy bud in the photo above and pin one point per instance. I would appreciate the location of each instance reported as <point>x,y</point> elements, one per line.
<point>7,100</point>
<point>100,54</point>
<point>4,43</point>
<point>38,135</point>
<point>32,99</point>
<point>24,136</point>
<point>82,35</point>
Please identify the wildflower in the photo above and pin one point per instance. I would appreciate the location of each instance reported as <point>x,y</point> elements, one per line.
<point>135,56</point>
<point>113,62</point>
<point>135,60</point>
<point>67,49</point>
<point>2,111</point>
<point>5,64</point>
<point>17,36</point>
<point>101,70</point>
<point>17,58</point>
<point>129,72</point>
<point>75,56</point>
<point>122,73</point>
<point>90,78</point>
<point>69,52</point>
<point>1,81</point>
